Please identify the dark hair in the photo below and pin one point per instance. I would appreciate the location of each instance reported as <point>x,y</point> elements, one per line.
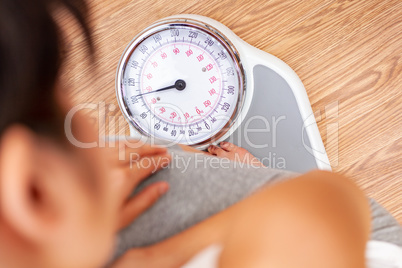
<point>30,59</point>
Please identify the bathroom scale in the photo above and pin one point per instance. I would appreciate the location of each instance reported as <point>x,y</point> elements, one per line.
<point>189,79</point>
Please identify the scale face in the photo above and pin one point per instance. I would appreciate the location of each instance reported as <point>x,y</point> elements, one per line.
<point>189,79</point>
<point>182,82</point>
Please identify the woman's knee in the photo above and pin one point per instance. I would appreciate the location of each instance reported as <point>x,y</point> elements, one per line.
<point>317,218</point>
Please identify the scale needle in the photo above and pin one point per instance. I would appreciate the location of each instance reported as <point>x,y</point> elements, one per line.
<point>179,85</point>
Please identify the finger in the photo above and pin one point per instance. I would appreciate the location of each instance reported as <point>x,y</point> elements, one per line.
<point>141,202</point>
<point>142,170</point>
<point>228,146</point>
<point>143,150</point>
<point>215,150</point>
<point>149,165</point>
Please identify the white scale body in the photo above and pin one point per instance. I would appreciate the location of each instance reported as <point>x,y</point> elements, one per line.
<point>271,118</point>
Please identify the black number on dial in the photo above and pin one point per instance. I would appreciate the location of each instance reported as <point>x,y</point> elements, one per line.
<point>143,49</point>
<point>193,34</point>
<point>157,38</point>
<point>134,64</point>
<point>174,32</point>
<point>225,106</point>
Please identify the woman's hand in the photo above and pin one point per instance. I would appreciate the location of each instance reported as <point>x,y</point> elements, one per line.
<point>129,166</point>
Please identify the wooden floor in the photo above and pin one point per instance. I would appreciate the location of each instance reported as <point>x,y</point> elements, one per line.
<point>347,53</point>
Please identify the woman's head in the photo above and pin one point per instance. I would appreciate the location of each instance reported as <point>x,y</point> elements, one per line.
<point>30,58</point>
<point>56,209</point>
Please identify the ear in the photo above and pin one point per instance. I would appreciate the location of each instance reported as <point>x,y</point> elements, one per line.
<point>18,184</point>
<point>45,204</point>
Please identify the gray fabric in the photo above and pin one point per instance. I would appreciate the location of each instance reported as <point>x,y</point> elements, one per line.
<point>384,226</point>
<point>201,186</point>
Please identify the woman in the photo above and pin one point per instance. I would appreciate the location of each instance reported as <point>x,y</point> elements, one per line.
<point>62,205</point>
